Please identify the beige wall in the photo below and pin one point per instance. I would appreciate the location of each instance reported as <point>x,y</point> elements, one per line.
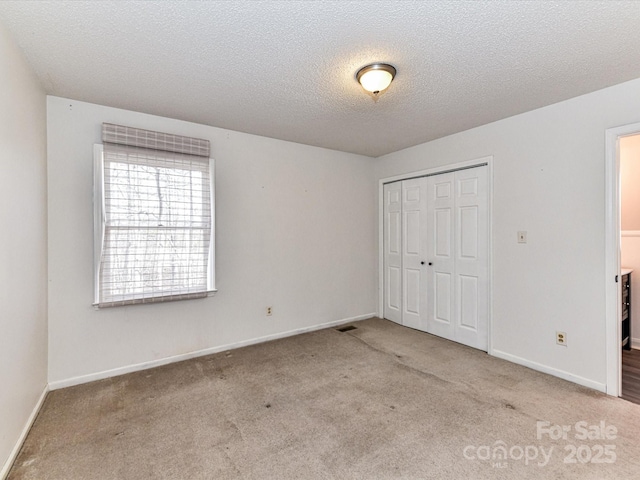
<point>630,182</point>
<point>23,246</point>
<point>630,258</point>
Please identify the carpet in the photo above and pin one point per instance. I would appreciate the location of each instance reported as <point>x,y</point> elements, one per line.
<point>380,401</point>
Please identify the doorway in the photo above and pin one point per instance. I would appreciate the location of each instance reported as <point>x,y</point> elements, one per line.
<point>436,252</point>
<point>629,148</point>
<point>617,139</point>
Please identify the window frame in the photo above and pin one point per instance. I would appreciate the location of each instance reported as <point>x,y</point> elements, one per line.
<point>99,235</point>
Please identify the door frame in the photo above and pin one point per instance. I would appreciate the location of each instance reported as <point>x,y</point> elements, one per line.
<point>612,254</point>
<point>452,167</point>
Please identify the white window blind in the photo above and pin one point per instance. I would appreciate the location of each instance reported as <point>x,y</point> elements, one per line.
<point>154,217</point>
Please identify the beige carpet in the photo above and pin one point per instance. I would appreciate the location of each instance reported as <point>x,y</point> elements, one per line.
<point>381,401</point>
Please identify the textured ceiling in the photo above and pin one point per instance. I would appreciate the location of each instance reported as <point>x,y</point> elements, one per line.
<point>285,69</point>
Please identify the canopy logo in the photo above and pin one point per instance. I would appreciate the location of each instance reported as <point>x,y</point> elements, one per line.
<point>499,454</point>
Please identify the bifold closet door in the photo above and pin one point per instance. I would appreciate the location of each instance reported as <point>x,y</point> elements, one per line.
<point>404,252</point>
<point>436,255</point>
<point>472,258</point>
<point>392,219</point>
<point>414,234</point>
<point>457,245</point>
<point>440,253</point>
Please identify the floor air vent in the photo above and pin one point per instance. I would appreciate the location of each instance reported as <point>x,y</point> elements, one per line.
<point>346,329</point>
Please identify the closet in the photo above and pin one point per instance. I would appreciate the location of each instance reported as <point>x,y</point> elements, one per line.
<point>436,244</point>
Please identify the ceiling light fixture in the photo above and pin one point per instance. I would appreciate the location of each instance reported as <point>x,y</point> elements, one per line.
<point>376,77</point>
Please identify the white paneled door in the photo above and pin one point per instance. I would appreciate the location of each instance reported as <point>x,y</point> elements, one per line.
<point>441,255</point>
<point>436,259</point>
<point>414,212</point>
<point>393,252</point>
<point>471,309</point>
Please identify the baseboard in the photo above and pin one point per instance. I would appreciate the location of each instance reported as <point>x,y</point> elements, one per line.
<point>70,382</point>
<point>585,382</point>
<point>16,449</point>
<point>635,343</point>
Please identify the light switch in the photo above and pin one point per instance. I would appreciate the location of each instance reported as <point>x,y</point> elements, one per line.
<point>522,237</point>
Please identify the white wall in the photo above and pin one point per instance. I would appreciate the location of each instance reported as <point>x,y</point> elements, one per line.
<point>295,231</point>
<point>548,180</point>
<point>23,246</point>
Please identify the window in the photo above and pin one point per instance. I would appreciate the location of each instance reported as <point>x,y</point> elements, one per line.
<point>154,217</point>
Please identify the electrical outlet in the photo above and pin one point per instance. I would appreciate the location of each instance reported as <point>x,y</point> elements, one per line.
<point>522,237</point>
<point>269,311</point>
<point>561,338</point>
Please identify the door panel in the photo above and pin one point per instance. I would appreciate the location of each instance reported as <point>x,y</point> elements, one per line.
<point>442,298</point>
<point>468,302</point>
<point>469,232</point>
<point>472,255</point>
<point>395,293</point>
<point>442,232</point>
<point>413,214</point>
<point>440,243</point>
<point>468,187</point>
<point>394,233</point>
<point>412,232</point>
<point>443,189</point>
<point>413,291</point>
<point>392,219</point>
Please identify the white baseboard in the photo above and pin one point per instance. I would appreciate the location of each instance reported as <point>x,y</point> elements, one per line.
<point>16,449</point>
<point>69,382</point>
<point>585,382</point>
<point>635,343</point>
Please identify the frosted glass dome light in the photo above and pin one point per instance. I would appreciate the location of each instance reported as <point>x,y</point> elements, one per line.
<point>376,77</point>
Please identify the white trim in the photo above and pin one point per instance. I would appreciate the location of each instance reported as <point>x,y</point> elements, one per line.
<point>488,161</point>
<point>98,218</point>
<point>16,449</point>
<point>69,382</point>
<point>437,170</point>
<point>381,249</point>
<point>211,278</point>
<point>601,387</point>
<point>612,255</point>
<point>630,233</point>
<point>635,343</point>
